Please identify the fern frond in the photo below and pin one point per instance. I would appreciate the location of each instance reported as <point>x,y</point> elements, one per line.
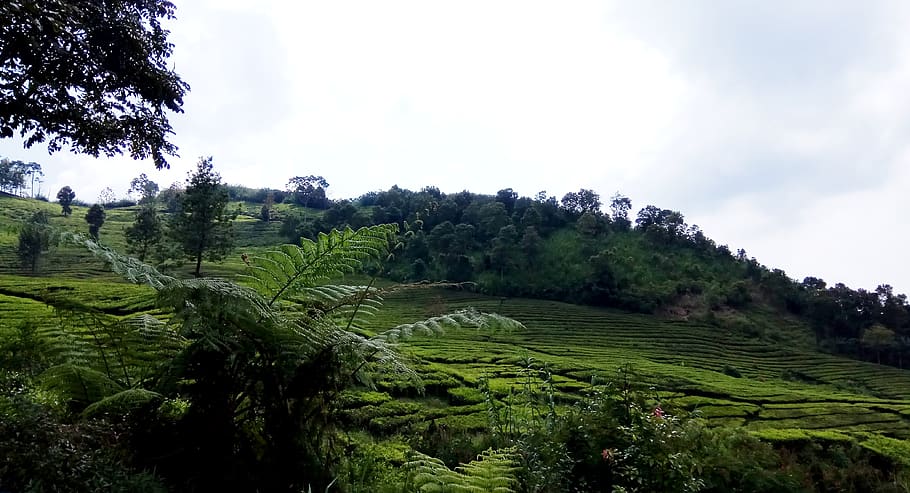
<point>493,471</point>
<point>121,402</point>
<point>79,384</point>
<point>185,294</point>
<point>133,270</point>
<point>285,271</point>
<point>438,325</point>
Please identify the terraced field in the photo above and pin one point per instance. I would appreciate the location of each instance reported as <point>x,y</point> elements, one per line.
<point>689,365</point>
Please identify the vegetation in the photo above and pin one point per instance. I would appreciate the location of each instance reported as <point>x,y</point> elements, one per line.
<point>106,93</point>
<point>34,240</point>
<point>95,219</point>
<point>202,225</point>
<point>671,365</point>
<point>65,197</point>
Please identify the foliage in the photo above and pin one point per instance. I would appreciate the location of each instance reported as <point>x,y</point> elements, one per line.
<point>95,218</point>
<point>261,367</point>
<point>65,197</point>
<point>145,188</point>
<point>145,234</point>
<point>107,92</point>
<point>202,226</point>
<point>494,471</point>
<point>309,191</point>
<point>34,240</point>
<point>41,453</point>
<point>13,175</point>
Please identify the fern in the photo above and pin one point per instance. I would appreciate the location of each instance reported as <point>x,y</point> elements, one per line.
<point>271,354</point>
<point>437,325</point>
<point>285,271</point>
<point>492,472</point>
<point>121,402</point>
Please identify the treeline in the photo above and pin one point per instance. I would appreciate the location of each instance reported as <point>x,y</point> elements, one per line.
<point>571,250</point>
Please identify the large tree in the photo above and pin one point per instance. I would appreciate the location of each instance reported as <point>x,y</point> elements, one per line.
<point>202,226</point>
<point>91,74</point>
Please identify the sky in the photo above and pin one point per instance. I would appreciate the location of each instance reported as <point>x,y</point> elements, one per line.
<point>777,127</point>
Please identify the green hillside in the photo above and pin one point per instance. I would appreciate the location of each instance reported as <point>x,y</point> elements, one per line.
<point>765,375</point>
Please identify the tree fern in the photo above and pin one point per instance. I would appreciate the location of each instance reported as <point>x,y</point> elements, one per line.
<point>260,364</point>
<point>492,472</point>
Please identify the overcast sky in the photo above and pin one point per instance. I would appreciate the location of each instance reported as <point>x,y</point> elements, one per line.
<point>780,127</point>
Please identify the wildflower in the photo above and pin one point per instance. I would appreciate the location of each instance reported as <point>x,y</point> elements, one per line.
<point>607,454</point>
<point>658,412</point>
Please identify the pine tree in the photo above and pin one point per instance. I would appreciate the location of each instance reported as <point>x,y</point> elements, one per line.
<point>202,226</point>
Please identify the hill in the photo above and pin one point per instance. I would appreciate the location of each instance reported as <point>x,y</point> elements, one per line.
<point>746,361</point>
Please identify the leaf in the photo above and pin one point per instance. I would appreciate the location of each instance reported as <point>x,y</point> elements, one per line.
<point>121,402</point>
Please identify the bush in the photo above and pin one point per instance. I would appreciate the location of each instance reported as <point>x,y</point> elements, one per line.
<point>42,453</point>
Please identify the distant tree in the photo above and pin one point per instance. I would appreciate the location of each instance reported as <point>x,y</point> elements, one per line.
<point>65,197</point>
<point>95,218</point>
<point>619,208</point>
<point>309,191</point>
<point>588,225</point>
<point>15,174</point>
<point>504,254</point>
<point>91,74</point>
<point>507,197</point>
<point>583,201</point>
<point>202,225</point>
<point>146,189</point>
<point>34,240</point>
<point>878,338</point>
<point>145,233</point>
<point>530,243</point>
<point>107,197</point>
<point>265,214</point>
<point>171,196</point>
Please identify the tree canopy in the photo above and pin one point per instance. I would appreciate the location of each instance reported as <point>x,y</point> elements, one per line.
<point>90,74</point>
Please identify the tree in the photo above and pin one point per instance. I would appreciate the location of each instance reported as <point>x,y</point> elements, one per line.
<point>145,188</point>
<point>620,206</point>
<point>309,191</point>
<point>95,219</point>
<point>145,232</point>
<point>508,197</point>
<point>585,200</point>
<point>878,338</point>
<point>107,197</point>
<point>202,226</point>
<point>65,196</point>
<point>34,240</point>
<point>14,175</point>
<point>93,75</point>
<point>265,214</point>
